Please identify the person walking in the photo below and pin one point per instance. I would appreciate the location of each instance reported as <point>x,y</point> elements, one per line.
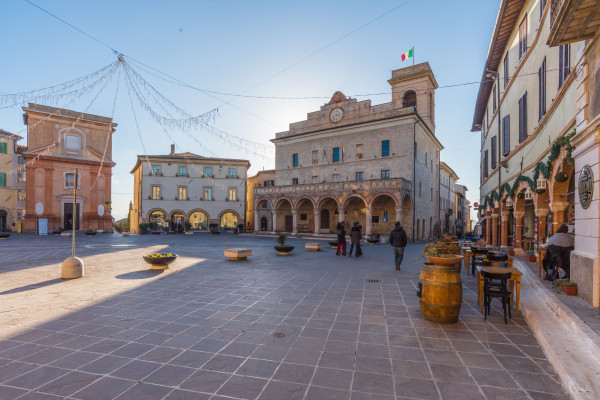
<point>355,236</point>
<point>341,237</point>
<point>398,241</point>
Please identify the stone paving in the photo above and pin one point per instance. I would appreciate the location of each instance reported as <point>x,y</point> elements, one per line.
<point>306,326</point>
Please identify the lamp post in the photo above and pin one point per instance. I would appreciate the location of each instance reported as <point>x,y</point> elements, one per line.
<point>72,267</point>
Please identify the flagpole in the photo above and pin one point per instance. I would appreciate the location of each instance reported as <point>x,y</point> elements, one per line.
<point>413,57</point>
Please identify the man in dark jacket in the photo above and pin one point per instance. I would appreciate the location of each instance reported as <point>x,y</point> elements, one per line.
<point>355,236</point>
<point>398,241</point>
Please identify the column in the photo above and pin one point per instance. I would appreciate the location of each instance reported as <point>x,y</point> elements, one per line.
<point>495,229</point>
<point>542,228</point>
<point>399,214</point>
<point>341,216</point>
<point>504,228</point>
<point>368,224</point>
<point>488,228</point>
<point>274,218</point>
<point>519,229</point>
<point>317,221</point>
<point>558,214</point>
<point>294,221</point>
<point>256,221</point>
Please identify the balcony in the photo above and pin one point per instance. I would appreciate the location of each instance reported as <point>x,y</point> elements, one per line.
<point>333,188</point>
<point>573,20</point>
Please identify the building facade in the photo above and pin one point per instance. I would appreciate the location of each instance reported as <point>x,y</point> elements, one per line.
<point>12,182</point>
<point>180,188</point>
<point>537,111</point>
<point>352,161</point>
<point>462,211</point>
<point>265,178</point>
<point>60,141</point>
<point>447,209</point>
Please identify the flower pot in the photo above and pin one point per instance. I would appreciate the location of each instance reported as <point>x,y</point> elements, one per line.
<point>570,290</point>
<point>161,262</point>
<point>156,233</point>
<point>90,233</point>
<point>445,260</point>
<point>283,249</point>
<point>4,235</point>
<point>373,241</point>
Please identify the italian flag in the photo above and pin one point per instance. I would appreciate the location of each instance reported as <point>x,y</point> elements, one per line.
<point>409,54</point>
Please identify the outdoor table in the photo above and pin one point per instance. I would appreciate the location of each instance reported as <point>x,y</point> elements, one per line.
<point>510,261</point>
<point>514,281</point>
<point>466,252</point>
<point>541,252</point>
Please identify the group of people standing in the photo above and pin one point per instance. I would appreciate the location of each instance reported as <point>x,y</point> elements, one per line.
<point>397,239</point>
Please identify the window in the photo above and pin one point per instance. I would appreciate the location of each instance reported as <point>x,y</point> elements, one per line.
<point>542,90</point>
<point>232,173</point>
<point>336,177</point>
<point>564,64</point>
<point>182,171</point>
<point>70,180</point>
<point>359,176</point>
<point>385,174</point>
<point>155,192</point>
<point>303,217</point>
<point>22,176</point>
<point>182,192</point>
<point>506,135</point>
<point>485,164</point>
<point>208,171</point>
<point>506,75</point>
<point>494,99</point>
<point>420,187</point>
<point>410,99</point>
<point>232,194</point>
<point>21,213</point>
<point>523,118</point>
<point>523,37</point>
<point>21,194</point>
<point>336,154</point>
<point>3,147</point>
<point>269,183</point>
<point>22,160</point>
<point>294,181</point>
<point>72,142</point>
<point>208,193</point>
<point>315,156</point>
<point>156,169</point>
<point>2,179</point>
<point>494,151</point>
<point>375,219</point>
<point>431,194</point>
<point>315,179</point>
<point>385,148</point>
<point>295,161</point>
<point>359,151</point>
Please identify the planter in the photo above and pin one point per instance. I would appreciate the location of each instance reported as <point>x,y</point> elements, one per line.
<point>333,244</point>
<point>372,241</point>
<point>4,235</point>
<point>189,233</point>
<point>160,263</point>
<point>90,233</point>
<point>214,231</point>
<point>570,290</point>
<point>283,250</point>
<point>156,233</point>
<point>446,261</point>
<point>125,233</point>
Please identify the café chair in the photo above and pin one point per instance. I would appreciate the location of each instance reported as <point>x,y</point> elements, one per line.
<point>496,286</point>
<point>478,256</point>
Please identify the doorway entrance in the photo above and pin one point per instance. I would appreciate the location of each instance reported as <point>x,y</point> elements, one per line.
<point>3,219</point>
<point>289,223</point>
<point>68,216</point>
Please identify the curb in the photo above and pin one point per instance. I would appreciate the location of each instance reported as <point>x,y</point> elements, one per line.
<point>571,346</point>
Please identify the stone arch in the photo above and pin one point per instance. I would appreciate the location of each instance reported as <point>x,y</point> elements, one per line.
<point>156,209</point>
<point>266,201</point>
<point>409,99</point>
<point>280,201</point>
<point>283,213</point>
<point>328,207</point>
<point>521,233</point>
<point>349,197</point>
<point>302,199</point>
<point>160,222</point>
<point>561,202</point>
<point>176,211</point>
<point>383,210</point>
<point>324,199</point>
<point>229,218</point>
<point>263,215</point>
<point>355,209</point>
<point>196,220</point>
<point>305,214</point>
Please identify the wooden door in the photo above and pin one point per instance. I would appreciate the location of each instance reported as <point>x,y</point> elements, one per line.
<point>289,223</point>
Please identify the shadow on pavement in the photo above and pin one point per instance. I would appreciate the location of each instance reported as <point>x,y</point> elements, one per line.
<point>33,286</point>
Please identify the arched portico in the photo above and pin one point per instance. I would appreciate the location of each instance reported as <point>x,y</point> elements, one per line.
<point>355,209</point>
<point>282,216</point>
<point>158,216</point>
<point>198,218</point>
<point>383,208</point>
<point>303,216</point>
<point>263,216</point>
<point>327,215</point>
<point>229,219</point>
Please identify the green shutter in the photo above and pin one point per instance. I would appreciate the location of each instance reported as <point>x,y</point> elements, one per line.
<point>3,147</point>
<point>2,179</point>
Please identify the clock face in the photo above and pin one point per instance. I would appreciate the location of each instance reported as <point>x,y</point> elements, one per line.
<point>336,115</point>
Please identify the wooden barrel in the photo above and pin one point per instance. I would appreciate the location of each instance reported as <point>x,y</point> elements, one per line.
<point>440,292</point>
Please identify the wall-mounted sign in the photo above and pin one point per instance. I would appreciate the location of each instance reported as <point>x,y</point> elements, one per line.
<point>586,186</point>
<point>100,210</point>
<point>39,208</point>
<point>476,204</point>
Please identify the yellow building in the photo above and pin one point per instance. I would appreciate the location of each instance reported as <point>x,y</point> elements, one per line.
<point>12,182</point>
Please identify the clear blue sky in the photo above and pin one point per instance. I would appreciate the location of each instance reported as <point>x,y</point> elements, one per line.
<point>233,46</point>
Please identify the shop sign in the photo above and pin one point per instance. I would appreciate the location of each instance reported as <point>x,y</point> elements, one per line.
<point>586,186</point>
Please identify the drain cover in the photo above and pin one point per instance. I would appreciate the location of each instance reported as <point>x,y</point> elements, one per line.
<point>373,280</point>
<point>279,335</point>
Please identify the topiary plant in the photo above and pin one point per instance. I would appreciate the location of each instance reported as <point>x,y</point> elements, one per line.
<point>281,240</point>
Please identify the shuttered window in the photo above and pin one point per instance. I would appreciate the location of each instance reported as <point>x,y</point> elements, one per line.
<point>523,118</point>
<point>485,164</point>
<point>542,90</point>
<point>564,65</point>
<point>494,151</point>
<point>2,179</point>
<point>523,37</point>
<point>506,75</point>
<point>494,99</point>
<point>4,147</point>
<point>506,135</point>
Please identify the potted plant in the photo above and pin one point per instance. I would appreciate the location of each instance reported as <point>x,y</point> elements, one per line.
<point>281,247</point>
<point>566,286</point>
<point>531,256</point>
<point>509,250</point>
<point>445,251</point>
<point>5,232</point>
<point>214,228</point>
<point>90,232</point>
<point>143,228</point>
<point>160,261</point>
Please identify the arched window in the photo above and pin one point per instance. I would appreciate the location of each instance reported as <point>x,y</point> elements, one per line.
<point>410,99</point>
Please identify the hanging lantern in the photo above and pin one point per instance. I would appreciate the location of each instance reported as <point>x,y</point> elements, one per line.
<point>541,185</point>
<point>528,195</point>
<point>496,205</point>
<point>509,202</point>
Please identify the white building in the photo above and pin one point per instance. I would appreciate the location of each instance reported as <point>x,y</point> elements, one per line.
<point>448,180</point>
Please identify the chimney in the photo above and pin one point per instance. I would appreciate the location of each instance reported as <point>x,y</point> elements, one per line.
<point>172,149</point>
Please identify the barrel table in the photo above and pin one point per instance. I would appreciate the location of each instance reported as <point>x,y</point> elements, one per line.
<point>440,292</point>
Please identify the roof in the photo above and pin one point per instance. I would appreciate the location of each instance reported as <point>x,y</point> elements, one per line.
<point>506,20</point>
<point>445,166</point>
<point>11,135</point>
<point>67,113</point>
<point>186,157</point>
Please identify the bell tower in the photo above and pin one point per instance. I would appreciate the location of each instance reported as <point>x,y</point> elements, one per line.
<point>415,86</point>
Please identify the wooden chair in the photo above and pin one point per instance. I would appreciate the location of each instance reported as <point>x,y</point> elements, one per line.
<point>496,286</point>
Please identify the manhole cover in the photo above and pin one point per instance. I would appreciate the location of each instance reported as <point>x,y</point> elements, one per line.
<point>279,335</point>
<point>373,280</point>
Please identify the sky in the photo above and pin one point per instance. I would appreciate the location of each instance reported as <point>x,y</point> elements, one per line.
<point>286,49</point>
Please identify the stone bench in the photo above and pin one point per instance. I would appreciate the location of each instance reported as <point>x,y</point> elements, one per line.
<point>238,254</point>
<point>313,246</point>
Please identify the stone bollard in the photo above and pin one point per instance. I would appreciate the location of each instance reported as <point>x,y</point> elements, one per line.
<point>72,268</point>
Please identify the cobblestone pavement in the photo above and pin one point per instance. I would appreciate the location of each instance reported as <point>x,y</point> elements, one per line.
<point>206,331</point>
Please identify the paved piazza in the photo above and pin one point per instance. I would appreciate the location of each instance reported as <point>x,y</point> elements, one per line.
<point>204,329</point>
